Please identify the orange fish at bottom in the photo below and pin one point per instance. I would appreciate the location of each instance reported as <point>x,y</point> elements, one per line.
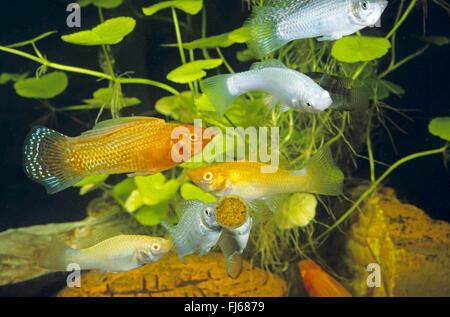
<point>137,145</point>
<point>318,283</point>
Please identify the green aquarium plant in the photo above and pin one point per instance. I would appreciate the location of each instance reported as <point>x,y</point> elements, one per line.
<point>304,221</point>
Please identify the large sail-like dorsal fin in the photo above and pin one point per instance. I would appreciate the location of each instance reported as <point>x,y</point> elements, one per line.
<point>288,6</point>
<point>271,63</point>
<point>112,125</point>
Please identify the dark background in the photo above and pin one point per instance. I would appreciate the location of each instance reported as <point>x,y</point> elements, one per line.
<point>423,182</point>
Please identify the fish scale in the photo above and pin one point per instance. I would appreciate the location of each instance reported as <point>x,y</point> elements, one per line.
<point>136,145</point>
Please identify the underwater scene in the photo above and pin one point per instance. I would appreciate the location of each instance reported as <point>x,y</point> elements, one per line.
<point>225,148</point>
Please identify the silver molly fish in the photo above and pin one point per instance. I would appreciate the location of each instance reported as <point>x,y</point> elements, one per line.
<point>232,242</point>
<point>282,21</point>
<point>197,230</point>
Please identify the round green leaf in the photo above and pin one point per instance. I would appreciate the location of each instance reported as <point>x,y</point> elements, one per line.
<point>297,211</point>
<point>152,215</point>
<point>6,77</point>
<point>48,86</point>
<point>91,180</point>
<point>134,201</point>
<point>352,49</point>
<point>154,189</point>
<point>123,190</point>
<point>440,127</point>
<point>107,4</point>
<point>188,6</point>
<point>189,191</point>
<point>111,31</point>
<point>193,71</point>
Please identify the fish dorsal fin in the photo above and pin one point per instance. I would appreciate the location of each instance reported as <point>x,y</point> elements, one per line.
<point>189,206</point>
<point>111,125</point>
<point>288,6</point>
<point>92,235</point>
<point>271,63</point>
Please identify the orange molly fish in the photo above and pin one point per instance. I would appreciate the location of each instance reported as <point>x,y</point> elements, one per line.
<point>318,283</point>
<point>137,145</point>
<point>244,178</point>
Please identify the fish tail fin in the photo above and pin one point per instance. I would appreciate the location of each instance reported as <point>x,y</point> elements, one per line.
<point>54,256</point>
<point>216,88</point>
<point>262,26</point>
<point>359,98</point>
<point>234,265</point>
<point>45,159</point>
<point>325,177</point>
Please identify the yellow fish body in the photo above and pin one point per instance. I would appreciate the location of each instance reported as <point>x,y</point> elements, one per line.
<point>117,254</point>
<point>138,145</point>
<point>245,178</point>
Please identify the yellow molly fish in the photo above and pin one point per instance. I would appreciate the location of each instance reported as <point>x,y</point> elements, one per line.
<point>244,178</point>
<point>117,254</point>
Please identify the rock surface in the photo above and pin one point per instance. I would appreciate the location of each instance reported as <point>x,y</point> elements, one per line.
<point>411,248</point>
<point>204,276</point>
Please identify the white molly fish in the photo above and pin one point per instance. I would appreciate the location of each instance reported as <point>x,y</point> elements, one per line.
<point>282,21</point>
<point>291,88</point>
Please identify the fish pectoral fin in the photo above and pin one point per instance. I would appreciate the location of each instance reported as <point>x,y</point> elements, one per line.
<point>143,173</point>
<point>275,202</point>
<point>331,37</point>
<point>270,102</point>
<point>284,108</point>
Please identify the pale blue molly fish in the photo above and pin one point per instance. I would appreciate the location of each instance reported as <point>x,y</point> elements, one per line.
<point>197,230</point>
<point>233,242</point>
<point>292,89</point>
<point>282,21</point>
<point>117,254</point>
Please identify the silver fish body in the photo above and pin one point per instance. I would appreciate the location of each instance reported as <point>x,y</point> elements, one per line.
<point>291,88</point>
<point>281,21</point>
<point>197,230</point>
<point>233,242</point>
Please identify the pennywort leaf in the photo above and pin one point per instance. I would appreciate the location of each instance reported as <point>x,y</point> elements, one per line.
<point>91,180</point>
<point>240,35</point>
<point>189,191</point>
<point>46,87</point>
<point>193,71</point>
<point>152,215</point>
<point>7,77</point>
<point>155,189</point>
<point>352,49</point>
<point>189,6</point>
<point>440,127</point>
<point>110,32</point>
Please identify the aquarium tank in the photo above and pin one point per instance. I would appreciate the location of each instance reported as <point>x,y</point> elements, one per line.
<point>239,148</point>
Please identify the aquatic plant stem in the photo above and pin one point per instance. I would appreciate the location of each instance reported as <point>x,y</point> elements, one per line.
<point>178,34</point>
<point>89,72</point>
<point>403,61</point>
<point>377,182</point>
<point>396,26</point>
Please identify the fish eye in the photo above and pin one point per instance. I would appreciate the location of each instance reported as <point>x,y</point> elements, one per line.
<point>365,5</point>
<point>207,212</point>
<point>208,176</point>
<point>194,137</point>
<point>309,104</point>
<point>155,247</point>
